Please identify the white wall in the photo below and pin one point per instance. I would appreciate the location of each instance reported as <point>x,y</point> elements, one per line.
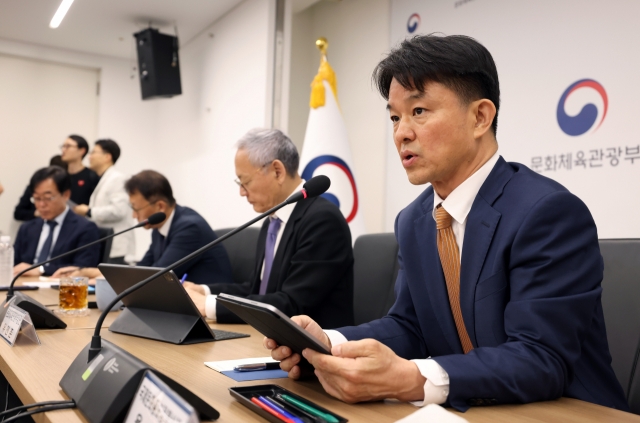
<point>40,104</point>
<point>358,35</point>
<point>121,113</point>
<point>188,138</point>
<point>225,82</point>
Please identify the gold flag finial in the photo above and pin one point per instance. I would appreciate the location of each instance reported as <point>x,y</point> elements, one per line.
<point>325,73</point>
<point>322,44</point>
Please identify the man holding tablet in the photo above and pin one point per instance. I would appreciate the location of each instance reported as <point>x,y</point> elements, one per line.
<point>498,293</point>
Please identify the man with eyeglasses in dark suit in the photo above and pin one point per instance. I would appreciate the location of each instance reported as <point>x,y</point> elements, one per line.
<point>56,230</point>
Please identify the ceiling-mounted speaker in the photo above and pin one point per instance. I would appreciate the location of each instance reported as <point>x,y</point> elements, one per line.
<point>158,64</point>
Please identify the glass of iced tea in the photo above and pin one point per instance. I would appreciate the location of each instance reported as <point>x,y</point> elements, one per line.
<point>73,295</point>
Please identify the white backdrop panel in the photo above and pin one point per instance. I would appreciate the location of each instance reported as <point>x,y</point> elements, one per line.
<point>541,48</point>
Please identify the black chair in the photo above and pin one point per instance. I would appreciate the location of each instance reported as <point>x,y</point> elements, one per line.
<point>105,246</point>
<point>621,307</point>
<point>375,270</point>
<point>241,248</point>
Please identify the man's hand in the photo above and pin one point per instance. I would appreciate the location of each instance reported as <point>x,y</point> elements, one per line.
<point>198,298</point>
<point>66,271</point>
<point>288,360</point>
<point>366,370</point>
<point>21,266</point>
<point>190,286</point>
<point>81,209</point>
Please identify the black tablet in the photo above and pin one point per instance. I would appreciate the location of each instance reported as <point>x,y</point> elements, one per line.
<point>272,323</point>
<point>160,310</point>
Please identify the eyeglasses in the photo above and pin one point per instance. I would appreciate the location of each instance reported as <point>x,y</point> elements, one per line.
<point>47,199</point>
<point>244,185</point>
<point>143,207</point>
<point>96,152</point>
<point>66,146</point>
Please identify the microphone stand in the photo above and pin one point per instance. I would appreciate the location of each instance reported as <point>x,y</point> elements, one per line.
<point>41,316</point>
<point>96,340</point>
<point>10,293</point>
<point>103,396</point>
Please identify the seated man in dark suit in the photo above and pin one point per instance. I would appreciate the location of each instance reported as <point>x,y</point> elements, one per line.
<point>498,292</point>
<point>180,234</point>
<point>57,230</point>
<point>304,256</point>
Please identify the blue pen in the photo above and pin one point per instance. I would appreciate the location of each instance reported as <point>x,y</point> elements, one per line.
<point>280,410</point>
<point>184,278</point>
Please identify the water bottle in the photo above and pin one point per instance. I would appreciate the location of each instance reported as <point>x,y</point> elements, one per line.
<point>6,260</point>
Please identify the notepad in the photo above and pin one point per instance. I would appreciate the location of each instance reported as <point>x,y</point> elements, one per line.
<point>257,375</point>
<point>226,368</point>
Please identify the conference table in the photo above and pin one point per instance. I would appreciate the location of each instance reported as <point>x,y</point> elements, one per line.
<point>34,371</point>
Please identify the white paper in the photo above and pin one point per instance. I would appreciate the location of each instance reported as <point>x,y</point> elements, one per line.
<point>10,326</point>
<point>228,365</point>
<point>49,279</point>
<point>155,402</point>
<point>432,413</point>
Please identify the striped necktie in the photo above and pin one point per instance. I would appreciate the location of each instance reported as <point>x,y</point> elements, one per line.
<point>450,259</point>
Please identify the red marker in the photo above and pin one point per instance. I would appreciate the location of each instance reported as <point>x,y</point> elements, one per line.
<point>269,410</point>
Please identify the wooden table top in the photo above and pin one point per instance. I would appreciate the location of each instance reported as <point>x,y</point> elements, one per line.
<point>34,371</point>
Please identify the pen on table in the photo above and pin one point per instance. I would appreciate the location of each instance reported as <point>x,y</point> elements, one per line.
<point>184,278</point>
<point>257,366</point>
<point>297,411</point>
<point>308,408</point>
<point>270,410</point>
<point>280,410</point>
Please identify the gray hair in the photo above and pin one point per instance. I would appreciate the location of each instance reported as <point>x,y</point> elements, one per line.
<point>263,146</point>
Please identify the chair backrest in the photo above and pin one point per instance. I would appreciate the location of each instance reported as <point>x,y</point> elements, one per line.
<point>375,270</point>
<point>241,248</point>
<point>105,247</point>
<point>621,307</point>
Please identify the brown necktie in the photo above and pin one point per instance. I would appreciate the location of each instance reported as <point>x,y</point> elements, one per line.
<point>450,259</point>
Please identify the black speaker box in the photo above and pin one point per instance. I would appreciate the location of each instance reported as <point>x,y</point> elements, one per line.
<point>158,64</point>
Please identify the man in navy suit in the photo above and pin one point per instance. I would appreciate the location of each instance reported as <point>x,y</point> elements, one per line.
<point>498,297</point>
<point>57,230</point>
<point>180,234</point>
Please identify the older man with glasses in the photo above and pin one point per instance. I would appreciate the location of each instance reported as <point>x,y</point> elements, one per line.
<point>304,259</point>
<point>56,230</point>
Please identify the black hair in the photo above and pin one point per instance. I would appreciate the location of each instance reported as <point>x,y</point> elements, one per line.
<point>458,62</point>
<point>152,185</point>
<point>82,143</point>
<point>59,175</point>
<point>110,146</point>
<point>57,161</point>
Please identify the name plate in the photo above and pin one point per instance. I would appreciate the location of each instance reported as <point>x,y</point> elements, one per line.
<point>155,402</point>
<point>17,321</point>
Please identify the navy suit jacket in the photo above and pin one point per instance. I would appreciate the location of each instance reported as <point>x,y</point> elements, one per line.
<point>529,292</point>
<point>75,232</point>
<point>188,232</point>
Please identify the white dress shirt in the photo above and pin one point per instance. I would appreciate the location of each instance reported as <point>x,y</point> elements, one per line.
<point>45,234</point>
<point>458,205</point>
<point>283,214</point>
<point>166,226</point>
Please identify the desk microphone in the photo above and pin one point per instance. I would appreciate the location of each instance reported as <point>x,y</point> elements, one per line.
<point>103,396</point>
<point>42,317</point>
